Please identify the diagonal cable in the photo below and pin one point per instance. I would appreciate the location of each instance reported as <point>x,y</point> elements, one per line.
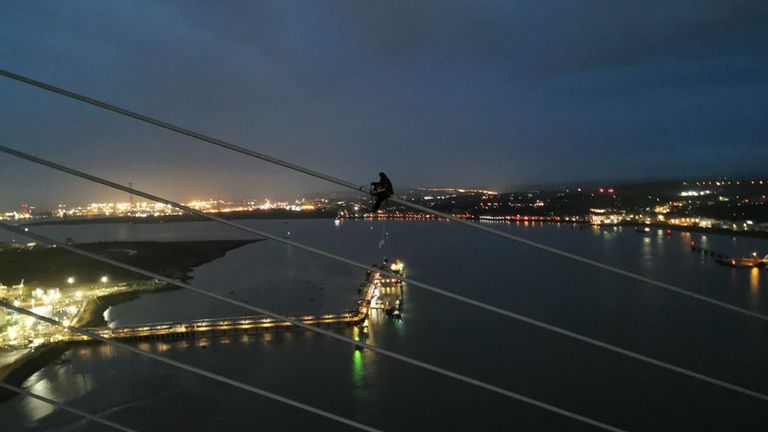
<point>301,324</point>
<point>581,259</point>
<point>193,369</point>
<point>338,181</point>
<point>66,407</point>
<point>387,273</point>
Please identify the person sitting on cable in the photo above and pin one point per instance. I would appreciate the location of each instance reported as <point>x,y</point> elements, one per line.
<point>381,190</point>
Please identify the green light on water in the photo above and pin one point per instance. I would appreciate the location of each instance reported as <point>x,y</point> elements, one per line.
<point>357,368</point>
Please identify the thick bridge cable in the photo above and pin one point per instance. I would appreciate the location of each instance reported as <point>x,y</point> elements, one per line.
<point>174,128</point>
<point>281,317</point>
<point>362,266</point>
<point>350,185</point>
<point>66,407</point>
<point>190,368</point>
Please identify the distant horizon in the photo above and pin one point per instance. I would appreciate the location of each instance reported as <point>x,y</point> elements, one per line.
<point>595,183</point>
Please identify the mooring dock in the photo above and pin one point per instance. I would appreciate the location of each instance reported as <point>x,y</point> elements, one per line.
<point>747,262</point>
<point>370,288</point>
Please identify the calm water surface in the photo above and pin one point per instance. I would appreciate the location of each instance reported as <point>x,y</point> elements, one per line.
<point>384,393</point>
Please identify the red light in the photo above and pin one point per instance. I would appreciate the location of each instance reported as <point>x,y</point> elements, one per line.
<point>602,190</point>
<point>610,190</point>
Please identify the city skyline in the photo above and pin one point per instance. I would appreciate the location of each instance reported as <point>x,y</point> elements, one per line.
<point>719,204</point>
<point>106,195</point>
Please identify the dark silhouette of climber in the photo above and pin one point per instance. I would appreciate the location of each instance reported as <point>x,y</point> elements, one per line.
<point>381,190</point>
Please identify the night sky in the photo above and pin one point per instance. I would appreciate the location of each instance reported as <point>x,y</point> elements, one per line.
<point>473,93</point>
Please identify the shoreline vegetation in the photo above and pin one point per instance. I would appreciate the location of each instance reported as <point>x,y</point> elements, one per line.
<point>51,267</point>
<point>93,312</point>
<point>43,265</point>
<point>258,214</point>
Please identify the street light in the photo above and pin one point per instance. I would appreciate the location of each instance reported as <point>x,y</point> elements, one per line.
<point>70,280</point>
<point>104,279</point>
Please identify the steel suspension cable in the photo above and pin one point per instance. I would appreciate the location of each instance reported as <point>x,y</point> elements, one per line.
<point>350,185</point>
<point>190,368</point>
<point>65,407</point>
<point>293,321</point>
<point>388,273</point>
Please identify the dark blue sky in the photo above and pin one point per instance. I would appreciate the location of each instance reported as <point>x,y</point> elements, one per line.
<point>494,93</point>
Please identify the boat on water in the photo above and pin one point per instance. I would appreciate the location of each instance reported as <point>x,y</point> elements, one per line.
<point>750,262</point>
<point>753,261</point>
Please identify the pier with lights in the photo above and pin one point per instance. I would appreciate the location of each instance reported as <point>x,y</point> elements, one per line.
<point>377,292</point>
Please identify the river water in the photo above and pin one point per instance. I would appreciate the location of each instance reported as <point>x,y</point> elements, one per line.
<point>387,394</point>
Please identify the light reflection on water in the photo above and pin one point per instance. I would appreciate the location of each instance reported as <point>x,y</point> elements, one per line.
<point>434,329</point>
<point>34,408</point>
<point>754,286</point>
<point>357,368</point>
<point>647,251</point>
<point>50,386</point>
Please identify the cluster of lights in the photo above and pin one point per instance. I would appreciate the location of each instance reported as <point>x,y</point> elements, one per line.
<point>397,266</point>
<point>64,306</point>
<point>397,216</point>
<point>726,182</point>
<point>296,206</point>
<point>14,215</point>
<point>518,218</point>
<point>146,209</point>
<point>695,193</point>
<point>140,209</point>
<point>456,190</point>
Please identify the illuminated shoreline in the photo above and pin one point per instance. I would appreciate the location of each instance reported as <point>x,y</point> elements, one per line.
<point>255,214</point>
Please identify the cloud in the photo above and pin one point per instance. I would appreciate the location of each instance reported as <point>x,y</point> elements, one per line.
<point>483,92</point>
